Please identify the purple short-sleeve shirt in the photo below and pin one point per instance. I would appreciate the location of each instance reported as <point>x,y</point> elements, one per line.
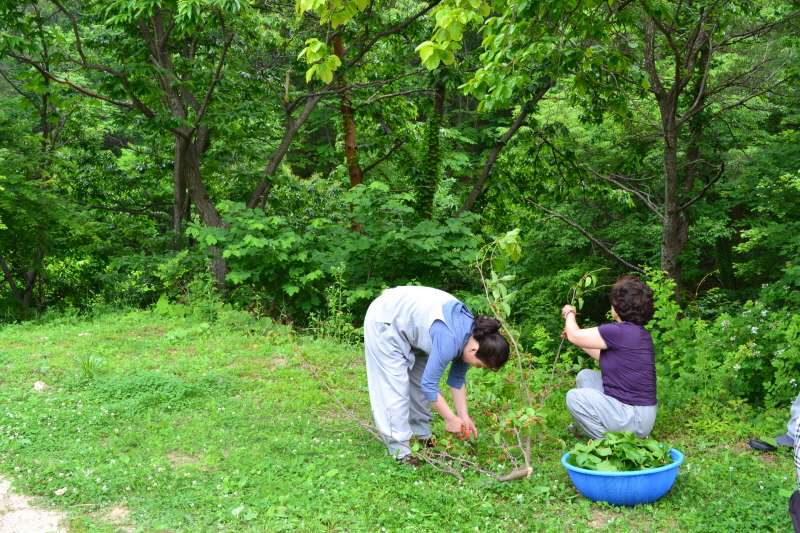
<point>628,365</point>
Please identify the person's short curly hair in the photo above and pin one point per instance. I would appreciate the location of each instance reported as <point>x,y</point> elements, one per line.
<point>632,299</point>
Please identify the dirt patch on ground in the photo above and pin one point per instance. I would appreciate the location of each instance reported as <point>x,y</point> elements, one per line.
<point>256,368</point>
<point>601,518</point>
<point>178,459</point>
<point>768,458</point>
<point>119,516</point>
<point>17,515</point>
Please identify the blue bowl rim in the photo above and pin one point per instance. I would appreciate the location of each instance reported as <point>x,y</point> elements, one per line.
<point>677,459</point>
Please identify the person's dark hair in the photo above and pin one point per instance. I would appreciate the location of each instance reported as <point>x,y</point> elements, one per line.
<point>492,347</point>
<point>632,299</point>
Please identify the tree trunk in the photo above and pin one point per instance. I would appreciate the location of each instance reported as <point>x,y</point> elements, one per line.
<point>180,197</point>
<point>674,231</point>
<point>348,123</point>
<point>24,294</point>
<point>190,161</point>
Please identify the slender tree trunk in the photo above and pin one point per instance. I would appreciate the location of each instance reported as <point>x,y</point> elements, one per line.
<point>180,197</point>
<point>675,227</point>
<point>429,178</point>
<point>494,153</point>
<point>348,123</point>
<point>45,116</point>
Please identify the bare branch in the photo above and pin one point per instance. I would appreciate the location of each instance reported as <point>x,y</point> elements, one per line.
<point>31,98</point>
<point>374,99</point>
<point>217,76</point>
<point>74,86</point>
<point>277,155</point>
<point>758,31</point>
<point>699,100</point>
<point>705,189</point>
<point>397,144</point>
<point>586,234</point>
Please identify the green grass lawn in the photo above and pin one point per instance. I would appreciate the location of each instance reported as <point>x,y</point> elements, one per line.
<point>162,422</point>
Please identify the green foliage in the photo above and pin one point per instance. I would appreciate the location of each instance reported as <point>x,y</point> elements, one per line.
<point>619,452</point>
<point>323,62</point>
<point>452,17</point>
<point>744,351</point>
<point>287,262</point>
<point>337,321</point>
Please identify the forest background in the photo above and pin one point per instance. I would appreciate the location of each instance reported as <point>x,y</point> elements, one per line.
<point>292,160</point>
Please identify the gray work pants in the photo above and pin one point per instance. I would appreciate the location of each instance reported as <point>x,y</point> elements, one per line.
<point>394,373</point>
<point>596,413</point>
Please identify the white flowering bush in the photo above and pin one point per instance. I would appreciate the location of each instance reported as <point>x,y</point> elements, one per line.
<point>746,351</point>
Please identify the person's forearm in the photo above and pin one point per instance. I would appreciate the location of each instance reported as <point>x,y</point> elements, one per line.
<point>460,400</point>
<point>441,407</point>
<point>571,326</point>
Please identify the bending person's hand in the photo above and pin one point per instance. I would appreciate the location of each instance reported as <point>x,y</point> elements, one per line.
<point>455,425</point>
<point>566,310</point>
<point>470,431</point>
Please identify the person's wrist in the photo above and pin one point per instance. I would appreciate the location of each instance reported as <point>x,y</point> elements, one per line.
<point>568,312</point>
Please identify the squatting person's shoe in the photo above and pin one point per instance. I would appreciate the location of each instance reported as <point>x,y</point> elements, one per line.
<point>785,440</point>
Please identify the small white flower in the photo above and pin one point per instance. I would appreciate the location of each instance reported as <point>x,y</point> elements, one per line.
<point>737,367</point>
<point>60,492</point>
<point>754,330</point>
<point>764,312</point>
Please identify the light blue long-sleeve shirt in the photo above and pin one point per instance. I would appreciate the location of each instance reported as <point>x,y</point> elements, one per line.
<point>448,340</point>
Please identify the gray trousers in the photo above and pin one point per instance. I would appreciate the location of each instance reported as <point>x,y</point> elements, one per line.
<point>595,412</point>
<point>394,373</point>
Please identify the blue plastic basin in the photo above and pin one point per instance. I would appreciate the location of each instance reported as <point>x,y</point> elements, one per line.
<point>625,488</point>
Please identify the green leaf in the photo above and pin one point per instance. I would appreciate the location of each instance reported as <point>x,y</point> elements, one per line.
<point>291,290</point>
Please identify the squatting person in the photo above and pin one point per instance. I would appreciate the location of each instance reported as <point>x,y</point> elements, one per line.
<point>622,395</point>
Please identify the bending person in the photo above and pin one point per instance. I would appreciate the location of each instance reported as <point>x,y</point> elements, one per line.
<point>622,395</point>
<point>411,334</point>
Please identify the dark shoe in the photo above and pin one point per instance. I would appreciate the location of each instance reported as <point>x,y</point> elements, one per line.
<point>785,440</point>
<point>761,446</point>
<point>429,442</point>
<point>575,431</point>
<point>410,460</point>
